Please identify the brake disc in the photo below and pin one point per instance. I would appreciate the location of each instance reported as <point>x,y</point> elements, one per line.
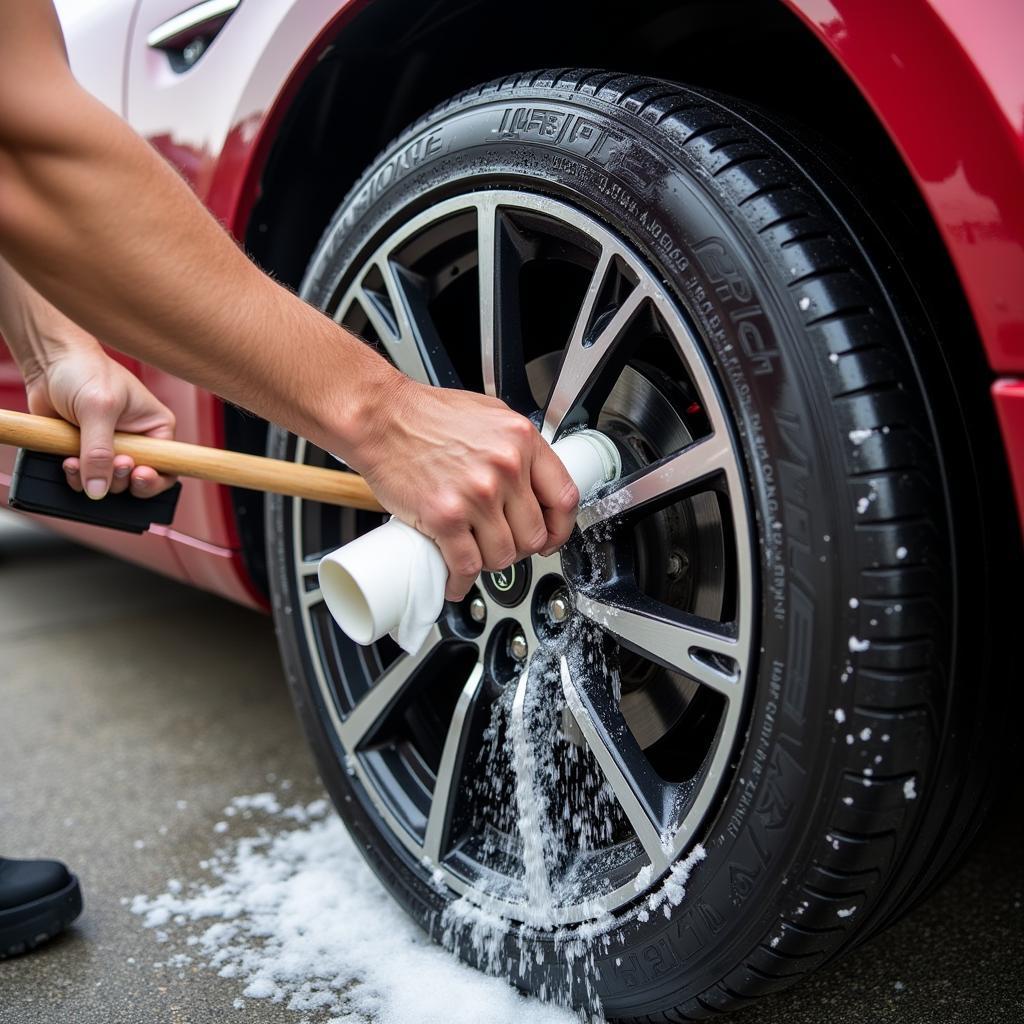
<point>679,553</point>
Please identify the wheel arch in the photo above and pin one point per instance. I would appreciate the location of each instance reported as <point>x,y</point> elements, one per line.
<point>378,66</point>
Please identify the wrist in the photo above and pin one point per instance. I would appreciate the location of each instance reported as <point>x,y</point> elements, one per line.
<point>48,345</point>
<point>50,373</point>
<point>352,419</point>
<point>363,424</point>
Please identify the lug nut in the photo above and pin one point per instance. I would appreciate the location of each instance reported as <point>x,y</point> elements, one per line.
<point>477,609</point>
<point>559,606</point>
<point>517,647</point>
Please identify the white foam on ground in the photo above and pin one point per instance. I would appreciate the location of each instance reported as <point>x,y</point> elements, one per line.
<point>297,917</point>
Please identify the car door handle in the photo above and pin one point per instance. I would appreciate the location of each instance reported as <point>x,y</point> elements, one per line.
<point>185,37</point>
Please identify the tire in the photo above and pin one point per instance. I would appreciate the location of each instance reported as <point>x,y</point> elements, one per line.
<point>846,791</point>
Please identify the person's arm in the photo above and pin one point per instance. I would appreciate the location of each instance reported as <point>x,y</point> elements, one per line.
<point>67,374</point>
<point>105,229</point>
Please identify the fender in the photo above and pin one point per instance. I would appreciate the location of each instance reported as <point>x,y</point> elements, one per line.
<point>943,78</point>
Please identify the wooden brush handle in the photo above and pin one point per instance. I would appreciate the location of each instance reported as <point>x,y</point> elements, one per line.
<point>44,434</point>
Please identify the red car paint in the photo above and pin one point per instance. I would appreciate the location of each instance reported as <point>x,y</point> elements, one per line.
<point>942,76</point>
<point>1009,399</point>
<point>945,80</point>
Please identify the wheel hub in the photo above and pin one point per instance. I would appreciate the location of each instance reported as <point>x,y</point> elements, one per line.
<point>508,587</point>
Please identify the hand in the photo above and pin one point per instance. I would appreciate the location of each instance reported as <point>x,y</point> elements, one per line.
<point>85,386</point>
<point>469,473</point>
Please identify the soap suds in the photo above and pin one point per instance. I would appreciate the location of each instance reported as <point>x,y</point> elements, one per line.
<point>297,917</point>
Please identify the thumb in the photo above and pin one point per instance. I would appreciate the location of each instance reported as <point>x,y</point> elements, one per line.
<point>97,424</point>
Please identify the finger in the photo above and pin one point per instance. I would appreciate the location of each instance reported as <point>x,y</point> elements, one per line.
<point>464,560</point>
<point>121,479</point>
<point>558,495</point>
<point>495,540</point>
<point>526,520</point>
<point>97,452</point>
<point>146,482</point>
<point>72,471</point>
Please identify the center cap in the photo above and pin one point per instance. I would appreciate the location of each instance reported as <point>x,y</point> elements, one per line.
<point>509,586</point>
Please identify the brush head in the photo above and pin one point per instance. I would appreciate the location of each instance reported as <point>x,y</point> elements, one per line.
<point>40,486</point>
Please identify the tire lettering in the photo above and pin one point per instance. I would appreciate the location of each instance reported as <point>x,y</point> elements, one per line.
<point>774,806</point>
<point>722,271</point>
<point>553,127</point>
<point>801,633</point>
<point>741,881</point>
<point>395,167</point>
<point>660,957</point>
<point>732,286</point>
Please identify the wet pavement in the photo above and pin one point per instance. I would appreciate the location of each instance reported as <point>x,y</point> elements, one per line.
<point>133,709</point>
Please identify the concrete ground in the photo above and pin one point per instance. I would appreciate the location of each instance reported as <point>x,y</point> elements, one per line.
<point>133,709</point>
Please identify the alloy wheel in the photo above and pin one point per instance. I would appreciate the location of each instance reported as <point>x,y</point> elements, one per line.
<point>532,300</point>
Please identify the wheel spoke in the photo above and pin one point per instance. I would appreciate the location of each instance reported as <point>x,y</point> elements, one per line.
<point>683,473</point>
<point>592,341</point>
<point>705,651</point>
<point>502,251</point>
<point>312,597</point>
<point>639,791</point>
<point>364,719</point>
<point>449,771</point>
<point>414,314</point>
<point>403,325</point>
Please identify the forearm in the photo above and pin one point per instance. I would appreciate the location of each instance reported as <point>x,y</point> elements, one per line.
<point>174,290</point>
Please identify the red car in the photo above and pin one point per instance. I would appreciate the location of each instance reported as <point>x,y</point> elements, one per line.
<point>775,249</point>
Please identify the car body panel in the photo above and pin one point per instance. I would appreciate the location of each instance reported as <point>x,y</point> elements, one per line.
<point>1009,399</point>
<point>105,25</point>
<point>944,82</point>
<point>214,124</point>
<point>220,148</point>
<point>944,78</point>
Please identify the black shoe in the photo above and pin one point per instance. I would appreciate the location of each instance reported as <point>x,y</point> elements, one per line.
<point>38,899</point>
